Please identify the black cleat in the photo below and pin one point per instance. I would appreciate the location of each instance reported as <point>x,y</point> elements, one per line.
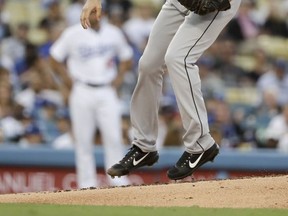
<point>188,163</point>
<point>135,158</point>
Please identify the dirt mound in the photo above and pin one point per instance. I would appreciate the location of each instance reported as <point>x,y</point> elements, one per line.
<point>260,192</point>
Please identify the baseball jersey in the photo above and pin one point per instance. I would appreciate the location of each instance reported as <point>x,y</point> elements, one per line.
<point>91,54</point>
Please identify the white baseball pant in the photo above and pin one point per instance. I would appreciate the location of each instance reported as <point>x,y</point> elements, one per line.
<point>92,107</point>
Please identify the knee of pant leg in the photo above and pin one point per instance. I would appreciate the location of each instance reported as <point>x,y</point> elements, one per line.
<point>150,66</point>
<point>143,65</point>
<point>171,59</point>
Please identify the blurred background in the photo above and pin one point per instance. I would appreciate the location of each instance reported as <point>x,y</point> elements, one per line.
<point>244,82</point>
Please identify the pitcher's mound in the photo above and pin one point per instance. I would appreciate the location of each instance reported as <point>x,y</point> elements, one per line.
<point>259,192</point>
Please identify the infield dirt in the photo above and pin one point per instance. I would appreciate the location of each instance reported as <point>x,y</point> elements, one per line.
<point>258,192</point>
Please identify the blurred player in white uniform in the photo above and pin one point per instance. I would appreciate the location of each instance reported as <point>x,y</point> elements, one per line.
<point>93,102</point>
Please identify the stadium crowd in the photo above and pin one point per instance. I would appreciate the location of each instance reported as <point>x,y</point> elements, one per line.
<point>244,75</point>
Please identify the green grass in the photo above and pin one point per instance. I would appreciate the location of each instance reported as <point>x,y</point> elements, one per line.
<point>68,210</point>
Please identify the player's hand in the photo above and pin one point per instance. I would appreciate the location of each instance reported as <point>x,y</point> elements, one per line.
<point>90,7</point>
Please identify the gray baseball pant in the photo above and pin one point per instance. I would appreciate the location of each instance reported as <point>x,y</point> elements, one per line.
<point>177,41</point>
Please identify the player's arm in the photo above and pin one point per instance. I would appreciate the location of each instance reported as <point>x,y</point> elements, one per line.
<point>59,53</point>
<point>62,78</point>
<point>90,6</point>
<point>123,67</point>
<point>60,69</point>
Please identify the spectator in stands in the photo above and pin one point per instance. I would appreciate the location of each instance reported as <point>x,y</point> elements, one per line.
<point>277,80</point>
<point>170,129</point>
<point>211,83</point>
<point>116,6</point>
<point>277,131</point>
<point>13,49</point>
<point>32,137</point>
<point>11,128</point>
<point>224,52</point>
<point>243,27</point>
<point>5,29</point>
<point>276,22</point>
<point>36,90</point>
<point>65,139</point>
<point>264,112</point>
<point>138,27</point>
<point>52,24</point>
<point>222,123</point>
<point>40,102</point>
<point>14,53</point>
<point>261,64</point>
<point>52,33</point>
<point>53,15</point>
<point>4,75</point>
<point>46,119</point>
<point>24,117</point>
<point>73,12</point>
<point>115,14</point>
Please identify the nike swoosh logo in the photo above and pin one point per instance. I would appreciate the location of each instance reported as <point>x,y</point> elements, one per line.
<point>194,164</point>
<point>136,162</point>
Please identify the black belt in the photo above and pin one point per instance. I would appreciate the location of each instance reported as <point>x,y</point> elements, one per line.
<point>94,85</point>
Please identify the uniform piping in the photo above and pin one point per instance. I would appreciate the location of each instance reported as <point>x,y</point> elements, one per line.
<point>191,88</point>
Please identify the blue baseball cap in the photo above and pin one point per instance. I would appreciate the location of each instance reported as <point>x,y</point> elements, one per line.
<point>32,129</point>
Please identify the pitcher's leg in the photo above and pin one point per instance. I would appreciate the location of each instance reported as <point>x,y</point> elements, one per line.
<point>146,95</point>
<point>194,37</point>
